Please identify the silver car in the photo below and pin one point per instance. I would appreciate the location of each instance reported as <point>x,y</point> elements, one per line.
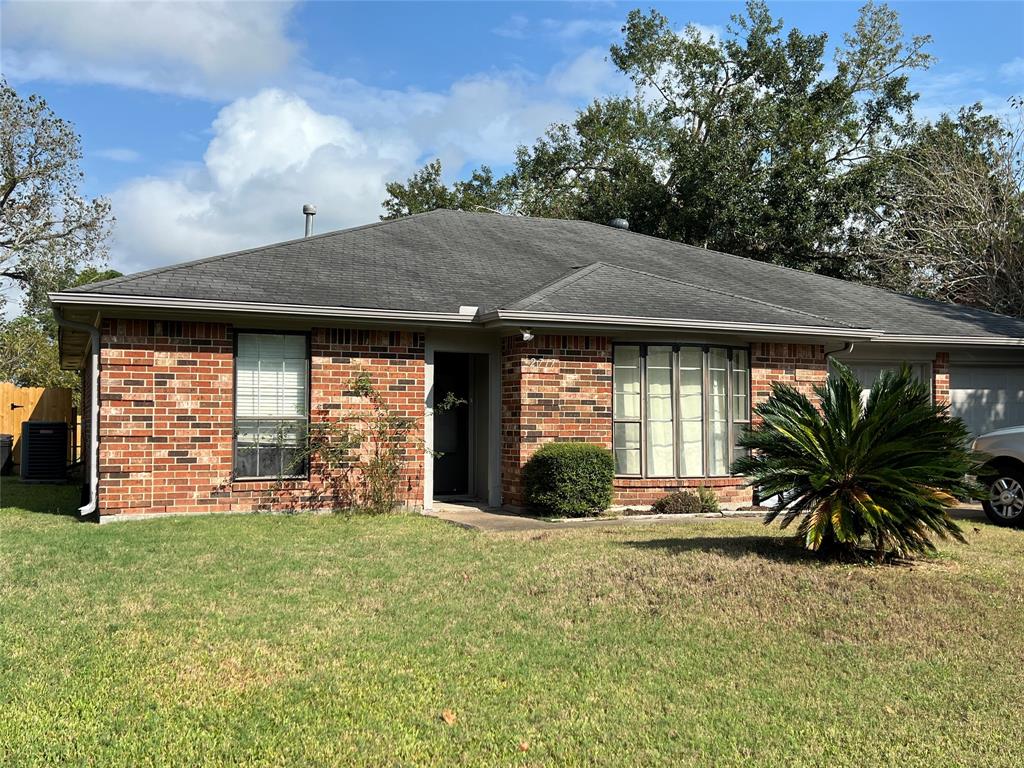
<point>1005,477</point>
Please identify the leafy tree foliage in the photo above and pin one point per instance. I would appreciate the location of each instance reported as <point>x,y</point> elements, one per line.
<point>46,228</point>
<point>752,143</point>
<point>882,473</point>
<point>28,344</point>
<point>36,304</point>
<point>744,143</point>
<point>425,191</point>
<point>28,356</point>
<point>953,226</point>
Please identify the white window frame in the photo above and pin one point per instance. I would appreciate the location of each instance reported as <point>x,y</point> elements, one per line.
<point>733,424</point>
<point>300,421</point>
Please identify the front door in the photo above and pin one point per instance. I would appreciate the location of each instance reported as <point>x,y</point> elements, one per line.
<point>451,425</point>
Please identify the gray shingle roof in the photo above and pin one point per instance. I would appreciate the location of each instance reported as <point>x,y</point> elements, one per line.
<point>439,261</point>
<point>601,285</point>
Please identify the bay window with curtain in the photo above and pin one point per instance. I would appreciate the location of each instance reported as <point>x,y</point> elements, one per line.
<point>271,405</point>
<point>678,410</point>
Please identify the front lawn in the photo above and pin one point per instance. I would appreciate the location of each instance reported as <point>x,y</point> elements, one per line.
<point>273,640</point>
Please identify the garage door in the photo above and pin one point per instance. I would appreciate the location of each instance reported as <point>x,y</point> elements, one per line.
<point>987,397</point>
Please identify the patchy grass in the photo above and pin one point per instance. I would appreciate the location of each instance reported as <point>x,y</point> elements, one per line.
<point>271,640</point>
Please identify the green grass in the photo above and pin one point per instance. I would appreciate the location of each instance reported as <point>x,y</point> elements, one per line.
<point>272,640</point>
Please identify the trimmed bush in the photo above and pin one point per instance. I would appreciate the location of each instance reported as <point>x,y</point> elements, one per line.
<point>687,502</point>
<point>569,479</point>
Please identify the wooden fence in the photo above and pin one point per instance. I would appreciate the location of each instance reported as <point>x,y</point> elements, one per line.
<point>21,404</point>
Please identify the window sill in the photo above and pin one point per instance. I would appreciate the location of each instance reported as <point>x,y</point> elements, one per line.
<point>682,482</point>
<point>274,479</point>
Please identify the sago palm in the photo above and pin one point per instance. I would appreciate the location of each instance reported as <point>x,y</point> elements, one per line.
<point>881,472</point>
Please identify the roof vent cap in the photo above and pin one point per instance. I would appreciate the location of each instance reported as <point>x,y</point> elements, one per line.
<point>619,223</point>
<point>309,211</point>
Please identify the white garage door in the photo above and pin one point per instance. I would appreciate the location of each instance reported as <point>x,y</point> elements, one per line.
<point>987,397</point>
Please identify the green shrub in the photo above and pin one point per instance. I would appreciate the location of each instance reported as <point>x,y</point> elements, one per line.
<point>881,473</point>
<point>687,502</point>
<point>569,479</point>
<point>678,503</point>
<point>708,501</point>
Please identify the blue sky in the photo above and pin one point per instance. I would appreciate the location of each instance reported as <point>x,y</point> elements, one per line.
<point>208,125</point>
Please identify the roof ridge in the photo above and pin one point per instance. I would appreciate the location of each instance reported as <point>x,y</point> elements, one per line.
<point>598,264</point>
<point>563,280</point>
<point>843,281</point>
<point>740,296</point>
<point>89,287</point>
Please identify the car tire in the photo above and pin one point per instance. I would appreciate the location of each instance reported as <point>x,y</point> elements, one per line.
<point>1005,502</point>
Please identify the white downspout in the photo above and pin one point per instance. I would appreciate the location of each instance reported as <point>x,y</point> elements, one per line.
<point>94,407</point>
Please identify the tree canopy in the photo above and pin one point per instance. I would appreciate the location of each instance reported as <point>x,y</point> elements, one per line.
<point>952,227</point>
<point>48,231</point>
<point>425,191</point>
<point>51,238</point>
<point>758,142</point>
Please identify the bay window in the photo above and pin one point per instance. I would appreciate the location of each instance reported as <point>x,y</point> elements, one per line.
<point>678,410</point>
<point>271,405</point>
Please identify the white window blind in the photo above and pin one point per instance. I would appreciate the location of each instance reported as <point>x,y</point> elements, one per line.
<point>271,408</point>
<point>679,410</point>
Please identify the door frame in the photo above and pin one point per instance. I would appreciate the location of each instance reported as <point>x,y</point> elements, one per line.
<point>479,343</point>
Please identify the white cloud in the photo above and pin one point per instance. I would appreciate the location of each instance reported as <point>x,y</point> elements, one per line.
<point>119,154</point>
<point>946,91</point>
<point>270,154</point>
<point>287,134</point>
<point>191,48</point>
<point>335,146</point>
<point>573,29</point>
<point>589,73</point>
<point>514,27</point>
<point>1013,69</point>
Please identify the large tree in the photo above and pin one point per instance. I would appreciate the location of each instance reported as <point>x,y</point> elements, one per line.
<point>953,226</point>
<point>752,142</point>
<point>28,344</point>
<point>48,231</point>
<point>425,191</point>
<point>748,143</point>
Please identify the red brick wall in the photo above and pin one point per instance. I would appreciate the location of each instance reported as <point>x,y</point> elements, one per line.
<point>802,366</point>
<point>552,388</point>
<point>559,388</point>
<point>166,413</point>
<point>940,378</point>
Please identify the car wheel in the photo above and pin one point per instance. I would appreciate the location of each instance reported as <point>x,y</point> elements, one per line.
<point>1005,503</point>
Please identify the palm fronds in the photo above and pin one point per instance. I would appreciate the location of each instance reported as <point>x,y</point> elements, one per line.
<point>880,472</point>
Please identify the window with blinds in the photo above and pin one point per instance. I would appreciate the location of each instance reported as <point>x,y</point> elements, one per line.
<point>271,405</point>
<point>678,410</point>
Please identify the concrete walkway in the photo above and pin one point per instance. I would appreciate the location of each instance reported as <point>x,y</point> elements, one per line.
<point>479,517</point>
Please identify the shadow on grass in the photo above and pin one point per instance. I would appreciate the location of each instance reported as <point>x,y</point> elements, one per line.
<point>778,549</point>
<point>39,498</point>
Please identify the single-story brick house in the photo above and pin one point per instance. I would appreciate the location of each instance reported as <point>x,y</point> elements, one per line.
<point>549,329</point>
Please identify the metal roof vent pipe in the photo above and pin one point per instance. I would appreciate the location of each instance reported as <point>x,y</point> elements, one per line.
<point>619,223</point>
<point>309,211</point>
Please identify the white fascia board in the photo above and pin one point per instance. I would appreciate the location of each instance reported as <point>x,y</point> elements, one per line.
<point>499,316</point>
<point>956,341</point>
<point>303,310</point>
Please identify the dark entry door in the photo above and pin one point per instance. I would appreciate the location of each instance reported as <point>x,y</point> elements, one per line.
<point>451,426</point>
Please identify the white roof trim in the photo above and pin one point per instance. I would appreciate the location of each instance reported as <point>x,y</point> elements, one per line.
<point>958,341</point>
<point>501,316</point>
<point>679,323</point>
<point>308,310</point>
